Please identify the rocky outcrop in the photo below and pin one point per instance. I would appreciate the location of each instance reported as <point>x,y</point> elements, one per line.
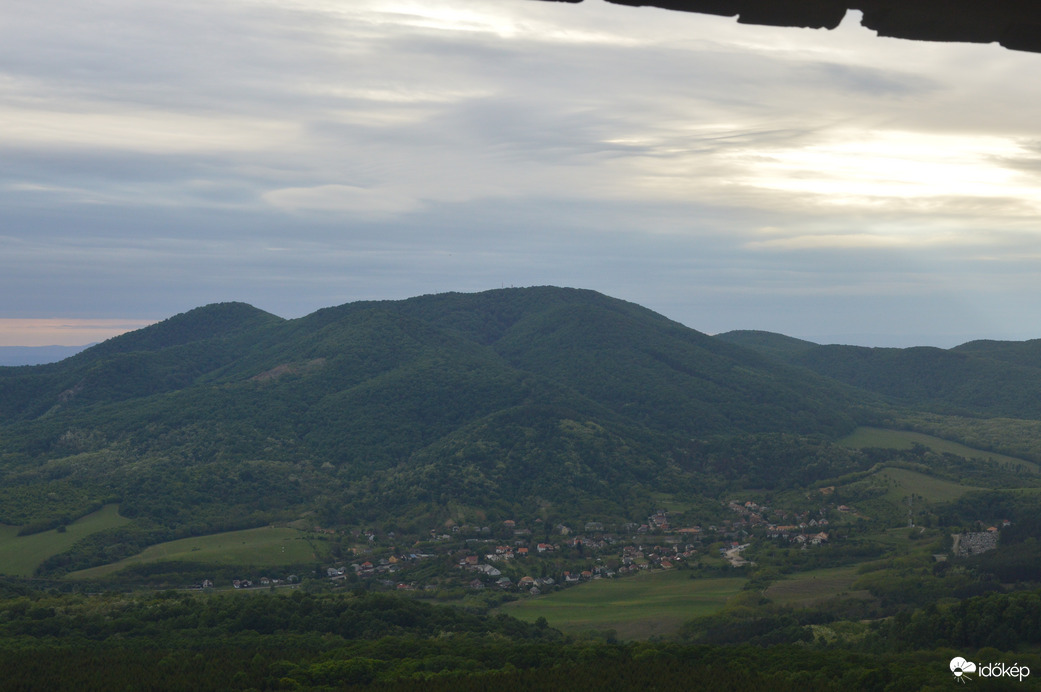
<point>1015,24</point>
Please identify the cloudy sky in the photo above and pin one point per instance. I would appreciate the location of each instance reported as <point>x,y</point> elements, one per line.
<point>158,155</point>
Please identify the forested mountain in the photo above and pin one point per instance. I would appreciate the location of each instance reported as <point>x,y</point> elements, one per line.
<point>227,414</point>
<point>1019,352</point>
<point>991,378</point>
<point>504,401</point>
<point>777,345</point>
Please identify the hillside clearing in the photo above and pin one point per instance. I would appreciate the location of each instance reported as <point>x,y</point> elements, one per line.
<point>21,555</point>
<point>638,607</point>
<point>901,483</point>
<point>865,437</point>
<point>263,547</point>
<point>809,588</point>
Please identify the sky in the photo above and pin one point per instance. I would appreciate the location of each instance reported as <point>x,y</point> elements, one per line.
<point>159,155</point>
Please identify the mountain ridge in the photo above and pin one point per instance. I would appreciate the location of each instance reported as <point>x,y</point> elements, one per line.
<point>982,377</point>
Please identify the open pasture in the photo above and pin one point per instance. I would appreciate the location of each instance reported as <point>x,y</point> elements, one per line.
<point>901,483</point>
<point>21,555</point>
<point>810,588</point>
<point>636,607</point>
<point>865,437</point>
<point>263,547</point>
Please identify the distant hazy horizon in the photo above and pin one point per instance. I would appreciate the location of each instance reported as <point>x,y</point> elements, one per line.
<point>37,355</point>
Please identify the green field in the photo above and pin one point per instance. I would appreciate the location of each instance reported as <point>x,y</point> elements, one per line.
<point>21,555</point>
<point>636,607</point>
<point>671,503</point>
<point>263,547</point>
<point>809,588</point>
<point>903,482</point>
<point>905,439</point>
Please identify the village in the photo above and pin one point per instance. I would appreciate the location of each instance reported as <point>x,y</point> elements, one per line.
<point>533,558</point>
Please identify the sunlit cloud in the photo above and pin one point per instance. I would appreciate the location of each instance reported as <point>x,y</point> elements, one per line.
<point>858,167</point>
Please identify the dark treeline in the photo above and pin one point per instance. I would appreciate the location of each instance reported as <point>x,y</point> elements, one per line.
<point>267,641</point>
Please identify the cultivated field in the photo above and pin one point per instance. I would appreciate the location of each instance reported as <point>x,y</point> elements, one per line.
<point>636,607</point>
<point>21,555</point>
<point>263,547</point>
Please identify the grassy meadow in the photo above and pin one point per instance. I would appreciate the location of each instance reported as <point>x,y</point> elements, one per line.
<point>263,547</point>
<point>637,607</point>
<point>903,482</point>
<point>807,589</point>
<point>21,555</point>
<point>865,437</point>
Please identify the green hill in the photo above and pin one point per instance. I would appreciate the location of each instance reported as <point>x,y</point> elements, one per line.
<point>770,343</point>
<point>165,357</point>
<point>980,378</point>
<point>1025,353</point>
<point>226,417</point>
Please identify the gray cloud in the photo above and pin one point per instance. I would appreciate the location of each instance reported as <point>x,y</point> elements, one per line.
<point>157,155</point>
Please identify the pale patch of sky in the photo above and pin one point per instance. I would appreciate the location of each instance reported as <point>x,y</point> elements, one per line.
<point>62,332</point>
